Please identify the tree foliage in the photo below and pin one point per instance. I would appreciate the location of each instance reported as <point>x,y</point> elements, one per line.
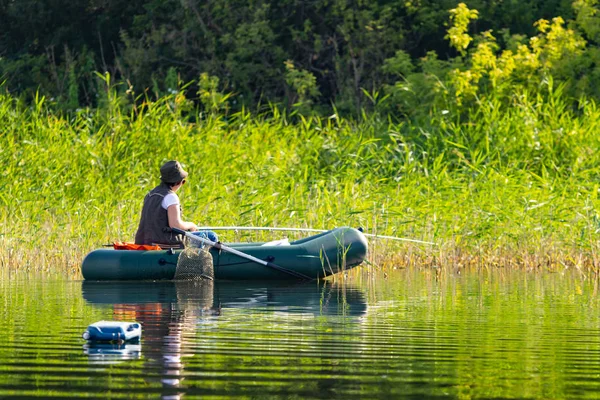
<point>309,54</point>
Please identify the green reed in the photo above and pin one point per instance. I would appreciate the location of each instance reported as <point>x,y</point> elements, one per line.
<point>496,185</point>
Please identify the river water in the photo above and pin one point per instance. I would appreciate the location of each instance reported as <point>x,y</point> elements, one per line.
<point>403,334</point>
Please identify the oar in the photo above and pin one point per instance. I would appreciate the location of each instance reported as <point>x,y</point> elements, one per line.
<point>221,246</point>
<point>257,228</point>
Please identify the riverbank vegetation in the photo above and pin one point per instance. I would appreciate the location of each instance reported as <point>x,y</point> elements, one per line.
<point>492,154</point>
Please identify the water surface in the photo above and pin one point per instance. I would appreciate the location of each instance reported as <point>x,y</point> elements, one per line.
<point>410,334</point>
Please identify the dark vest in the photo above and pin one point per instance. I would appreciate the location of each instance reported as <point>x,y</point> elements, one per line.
<point>155,219</point>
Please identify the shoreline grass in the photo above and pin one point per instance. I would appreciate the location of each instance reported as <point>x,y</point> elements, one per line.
<point>517,189</point>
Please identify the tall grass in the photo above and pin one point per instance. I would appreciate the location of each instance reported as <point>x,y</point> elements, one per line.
<point>499,185</point>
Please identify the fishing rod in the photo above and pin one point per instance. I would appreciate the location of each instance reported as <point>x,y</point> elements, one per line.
<point>262,228</point>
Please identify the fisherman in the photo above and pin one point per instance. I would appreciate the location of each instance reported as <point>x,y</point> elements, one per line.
<point>162,210</point>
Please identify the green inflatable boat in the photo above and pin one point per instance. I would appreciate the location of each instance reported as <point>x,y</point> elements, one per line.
<point>314,257</point>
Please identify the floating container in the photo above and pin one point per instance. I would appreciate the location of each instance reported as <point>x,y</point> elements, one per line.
<point>109,331</point>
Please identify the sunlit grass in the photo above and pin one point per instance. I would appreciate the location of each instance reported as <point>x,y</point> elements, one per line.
<point>502,186</point>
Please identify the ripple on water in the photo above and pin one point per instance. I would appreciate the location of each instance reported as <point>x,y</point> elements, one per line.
<point>479,335</point>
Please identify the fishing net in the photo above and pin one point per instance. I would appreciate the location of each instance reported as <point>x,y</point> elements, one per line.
<point>194,263</point>
<point>196,298</point>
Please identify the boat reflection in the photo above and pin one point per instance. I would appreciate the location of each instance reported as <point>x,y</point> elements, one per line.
<point>171,313</point>
<point>207,297</point>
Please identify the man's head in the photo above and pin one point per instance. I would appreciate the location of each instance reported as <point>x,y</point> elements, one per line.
<point>172,173</point>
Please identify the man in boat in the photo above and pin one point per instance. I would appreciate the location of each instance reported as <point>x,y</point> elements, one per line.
<point>162,210</point>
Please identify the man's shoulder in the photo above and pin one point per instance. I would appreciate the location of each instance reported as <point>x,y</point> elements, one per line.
<point>170,199</point>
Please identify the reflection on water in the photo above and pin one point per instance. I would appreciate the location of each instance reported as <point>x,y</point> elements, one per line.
<point>414,333</point>
<point>172,312</point>
<point>111,353</point>
<point>167,312</point>
<point>208,297</point>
